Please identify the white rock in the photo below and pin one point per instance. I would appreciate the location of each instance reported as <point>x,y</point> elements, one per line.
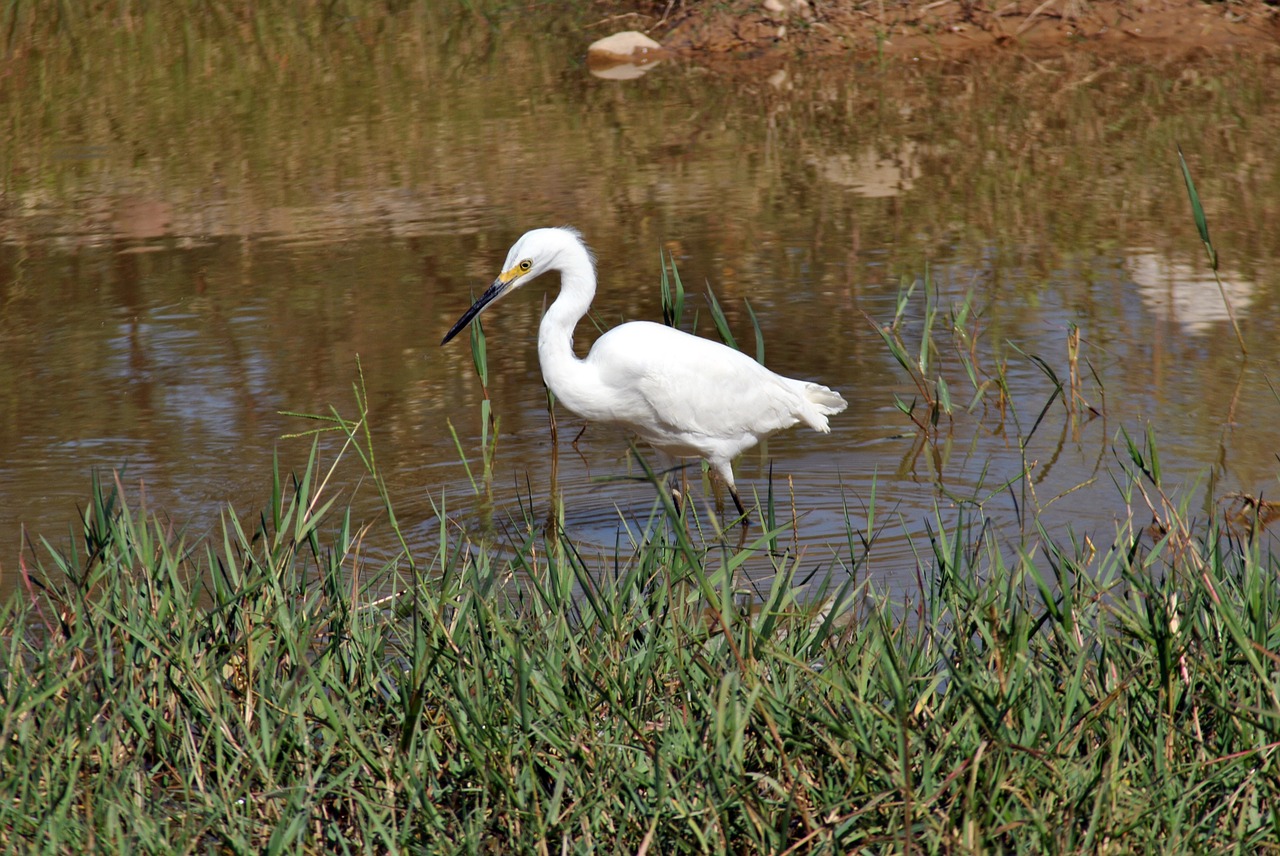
<point>619,70</point>
<point>629,46</point>
<point>774,7</point>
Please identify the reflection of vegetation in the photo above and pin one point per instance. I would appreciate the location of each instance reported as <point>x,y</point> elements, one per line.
<point>271,691</point>
<point>320,117</point>
<point>317,125</point>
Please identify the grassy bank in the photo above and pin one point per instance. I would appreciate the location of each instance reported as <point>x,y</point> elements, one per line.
<point>264,692</point>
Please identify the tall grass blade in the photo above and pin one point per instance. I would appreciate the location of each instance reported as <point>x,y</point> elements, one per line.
<point>1197,211</point>
<point>720,321</point>
<point>1202,226</point>
<point>672,291</point>
<point>755,327</point>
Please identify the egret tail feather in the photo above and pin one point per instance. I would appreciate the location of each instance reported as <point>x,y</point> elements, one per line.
<point>828,400</point>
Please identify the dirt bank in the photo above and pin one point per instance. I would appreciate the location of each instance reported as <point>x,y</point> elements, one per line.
<point>948,29</point>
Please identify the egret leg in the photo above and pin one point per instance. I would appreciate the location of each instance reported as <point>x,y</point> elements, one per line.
<point>724,471</point>
<point>726,477</point>
<point>671,478</point>
<point>742,511</point>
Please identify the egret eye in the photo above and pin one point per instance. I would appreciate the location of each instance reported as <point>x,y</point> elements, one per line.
<point>525,265</point>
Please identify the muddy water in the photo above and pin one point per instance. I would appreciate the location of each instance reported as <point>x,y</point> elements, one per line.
<point>189,253</point>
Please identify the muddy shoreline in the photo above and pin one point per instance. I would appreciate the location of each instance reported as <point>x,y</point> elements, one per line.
<point>761,30</point>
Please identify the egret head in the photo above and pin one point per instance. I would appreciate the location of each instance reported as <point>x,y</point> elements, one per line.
<point>537,252</point>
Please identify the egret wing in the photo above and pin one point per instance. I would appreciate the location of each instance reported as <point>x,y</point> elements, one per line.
<point>678,385</point>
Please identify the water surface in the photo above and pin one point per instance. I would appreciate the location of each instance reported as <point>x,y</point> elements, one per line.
<point>190,250</point>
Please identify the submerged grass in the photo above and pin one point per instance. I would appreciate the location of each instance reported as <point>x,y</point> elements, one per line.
<point>271,693</point>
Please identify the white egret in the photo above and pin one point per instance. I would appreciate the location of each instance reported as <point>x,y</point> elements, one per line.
<point>685,396</point>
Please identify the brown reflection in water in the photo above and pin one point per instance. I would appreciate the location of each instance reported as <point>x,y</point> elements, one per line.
<point>182,299</point>
<point>127,295</point>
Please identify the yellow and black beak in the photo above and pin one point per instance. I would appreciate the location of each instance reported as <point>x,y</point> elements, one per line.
<point>501,286</point>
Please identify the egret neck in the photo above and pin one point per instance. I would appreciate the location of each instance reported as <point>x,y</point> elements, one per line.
<point>574,382</point>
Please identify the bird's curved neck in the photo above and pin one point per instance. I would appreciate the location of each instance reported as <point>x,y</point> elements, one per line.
<point>560,366</point>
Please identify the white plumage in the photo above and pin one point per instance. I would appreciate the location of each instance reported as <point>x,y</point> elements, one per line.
<point>684,395</point>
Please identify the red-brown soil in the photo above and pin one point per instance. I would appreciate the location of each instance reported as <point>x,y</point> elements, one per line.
<point>949,29</point>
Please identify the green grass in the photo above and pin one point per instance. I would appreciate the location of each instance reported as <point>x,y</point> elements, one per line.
<point>270,691</point>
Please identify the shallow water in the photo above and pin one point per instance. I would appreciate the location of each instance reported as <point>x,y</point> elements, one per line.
<point>188,254</point>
